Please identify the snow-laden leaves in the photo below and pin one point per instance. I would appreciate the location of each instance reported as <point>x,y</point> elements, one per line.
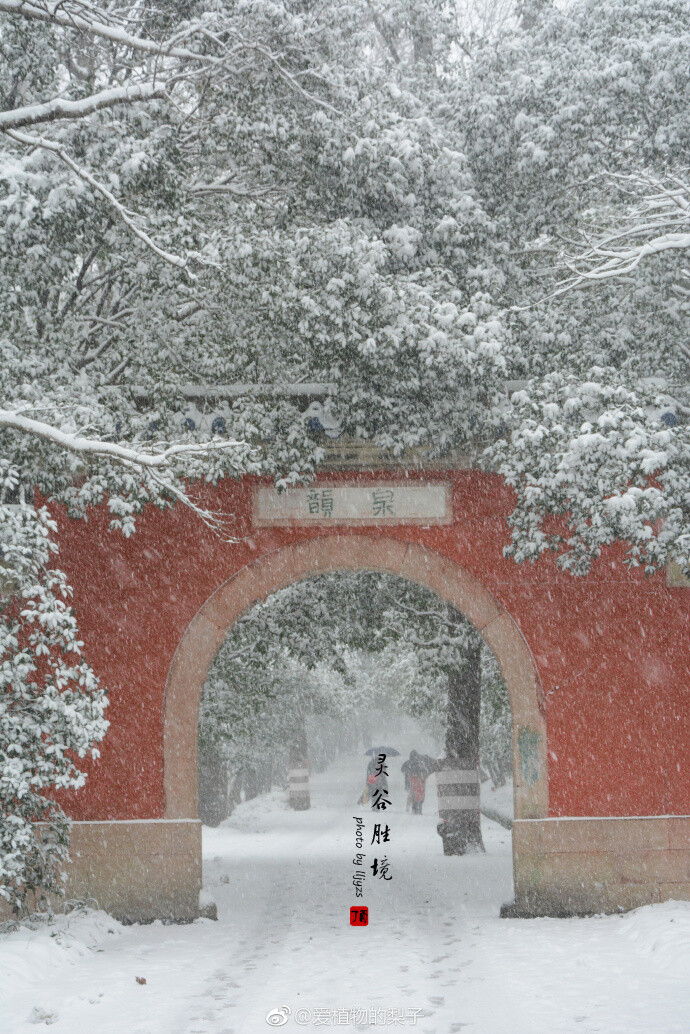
<point>342,647</point>
<point>263,193</point>
<point>600,457</point>
<point>577,130</point>
<point>51,707</point>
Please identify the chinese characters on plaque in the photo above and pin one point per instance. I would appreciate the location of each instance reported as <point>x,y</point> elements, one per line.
<point>320,502</point>
<point>381,502</point>
<point>355,504</point>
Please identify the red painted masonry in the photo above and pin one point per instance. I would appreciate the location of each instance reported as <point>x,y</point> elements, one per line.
<point>611,649</point>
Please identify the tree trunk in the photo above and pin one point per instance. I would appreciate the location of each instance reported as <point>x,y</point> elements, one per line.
<point>251,783</point>
<point>266,776</point>
<point>459,801</point>
<point>298,770</point>
<point>214,799</point>
<point>235,790</point>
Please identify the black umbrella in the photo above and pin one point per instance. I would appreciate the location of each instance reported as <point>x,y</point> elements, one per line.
<point>421,765</point>
<point>428,764</point>
<point>390,752</point>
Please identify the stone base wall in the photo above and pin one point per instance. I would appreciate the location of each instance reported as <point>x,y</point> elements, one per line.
<point>151,869</point>
<point>137,871</point>
<point>581,866</point>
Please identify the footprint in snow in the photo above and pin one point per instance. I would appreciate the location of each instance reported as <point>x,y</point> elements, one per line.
<point>41,1015</point>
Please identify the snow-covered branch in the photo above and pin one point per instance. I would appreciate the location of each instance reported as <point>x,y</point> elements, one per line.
<point>56,149</point>
<point>619,262</point>
<point>181,62</point>
<point>72,16</point>
<point>61,108</point>
<point>230,183</point>
<point>657,221</point>
<point>138,458</point>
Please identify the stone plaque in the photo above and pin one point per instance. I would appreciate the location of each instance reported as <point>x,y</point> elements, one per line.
<point>376,503</point>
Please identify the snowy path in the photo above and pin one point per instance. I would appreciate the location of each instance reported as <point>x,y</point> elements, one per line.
<point>435,956</point>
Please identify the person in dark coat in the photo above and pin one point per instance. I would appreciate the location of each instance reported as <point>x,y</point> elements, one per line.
<point>416,770</point>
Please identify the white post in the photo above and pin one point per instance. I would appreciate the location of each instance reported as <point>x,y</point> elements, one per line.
<point>457,788</point>
<point>298,789</point>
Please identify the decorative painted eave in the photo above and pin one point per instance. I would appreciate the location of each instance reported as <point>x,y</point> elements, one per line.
<point>202,392</point>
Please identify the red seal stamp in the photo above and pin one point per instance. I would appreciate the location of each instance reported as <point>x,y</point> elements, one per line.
<point>359,916</point>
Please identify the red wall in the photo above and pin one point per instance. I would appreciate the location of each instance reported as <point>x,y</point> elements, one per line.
<point>611,649</point>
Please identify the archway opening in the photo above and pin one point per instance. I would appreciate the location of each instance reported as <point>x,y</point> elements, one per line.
<point>331,663</point>
<point>353,552</point>
<point>356,694</point>
<point>291,564</point>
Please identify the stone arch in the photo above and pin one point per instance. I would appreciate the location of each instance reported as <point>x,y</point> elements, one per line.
<point>327,554</point>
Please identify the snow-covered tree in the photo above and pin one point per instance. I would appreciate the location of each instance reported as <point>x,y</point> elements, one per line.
<point>255,181</point>
<point>496,722</point>
<point>577,130</point>
<point>356,646</point>
<point>418,652</point>
<point>255,716</point>
<point>51,709</point>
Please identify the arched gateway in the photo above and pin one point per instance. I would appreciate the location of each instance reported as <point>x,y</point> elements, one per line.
<point>597,670</point>
<point>288,564</point>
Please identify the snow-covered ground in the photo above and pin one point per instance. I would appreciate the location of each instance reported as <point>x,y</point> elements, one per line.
<point>498,799</point>
<point>435,957</point>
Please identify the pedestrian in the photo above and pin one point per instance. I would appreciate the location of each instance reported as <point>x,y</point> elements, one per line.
<point>415,771</point>
<point>408,785</point>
